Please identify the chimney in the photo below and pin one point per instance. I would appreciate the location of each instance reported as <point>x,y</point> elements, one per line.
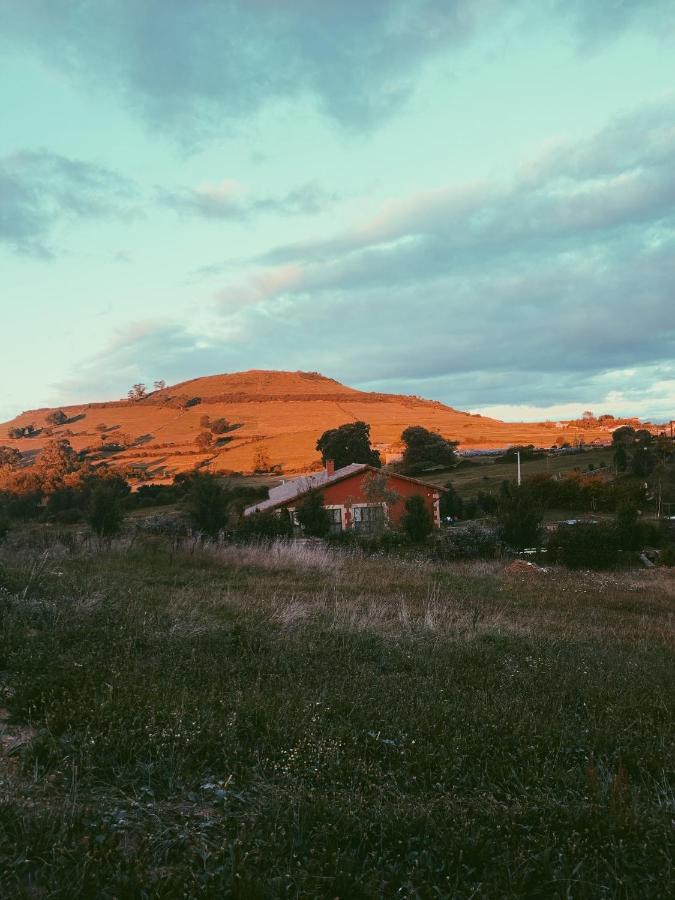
<point>330,467</point>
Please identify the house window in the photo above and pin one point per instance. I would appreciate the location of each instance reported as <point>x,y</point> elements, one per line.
<point>335,518</point>
<point>368,518</point>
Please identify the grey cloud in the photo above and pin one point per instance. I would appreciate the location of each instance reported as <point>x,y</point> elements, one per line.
<point>596,21</point>
<point>188,66</point>
<point>38,189</point>
<point>570,271</point>
<point>229,201</point>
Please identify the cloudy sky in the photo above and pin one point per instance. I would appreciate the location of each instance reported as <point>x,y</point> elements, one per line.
<point>470,200</point>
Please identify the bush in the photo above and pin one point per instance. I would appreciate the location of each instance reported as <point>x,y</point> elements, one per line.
<point>416,521</point>
<point>264,525</point>
<point>470,542</point>
<point>207,503</point>
<point>104,514</point>
<point>585,546</point>
<point>519,516</point>
<point>312,516</point>
<point>57,417</point>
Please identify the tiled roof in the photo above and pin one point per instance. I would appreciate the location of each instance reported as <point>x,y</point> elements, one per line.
<point>289,490</point>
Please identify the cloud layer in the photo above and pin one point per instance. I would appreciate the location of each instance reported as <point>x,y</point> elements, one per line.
<point>190,68</point>
<point>38,189</point>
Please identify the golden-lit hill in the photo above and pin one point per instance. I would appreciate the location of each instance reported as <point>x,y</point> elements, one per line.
<point>276,416</point>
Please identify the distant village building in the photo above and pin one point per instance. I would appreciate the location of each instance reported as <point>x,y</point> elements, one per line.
<point>350,496</point>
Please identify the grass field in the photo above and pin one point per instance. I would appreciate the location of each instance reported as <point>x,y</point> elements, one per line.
<point>291,721</point>
<point>488,473</point>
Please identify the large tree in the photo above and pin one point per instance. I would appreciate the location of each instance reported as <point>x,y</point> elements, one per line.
<point>348,444</point>
<point>426,449</point>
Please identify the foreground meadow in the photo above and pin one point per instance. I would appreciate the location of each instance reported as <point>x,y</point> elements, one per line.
<point>287,720</point>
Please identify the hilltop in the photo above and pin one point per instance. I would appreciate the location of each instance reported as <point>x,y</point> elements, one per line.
<point>271,415</point>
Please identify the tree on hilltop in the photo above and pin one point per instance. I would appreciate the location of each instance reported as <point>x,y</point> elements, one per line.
<point>137,392</point>
<point>57,417</point>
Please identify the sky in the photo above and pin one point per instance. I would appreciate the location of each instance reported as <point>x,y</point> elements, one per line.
<point>468,200</point>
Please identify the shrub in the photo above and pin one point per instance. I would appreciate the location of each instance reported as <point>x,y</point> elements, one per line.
<point>469,542</point>
<point>585,546</point>
<point>219,426</point>
<point>312,515</point>
<point>264,525</point>
<point>416,521</point>
<point>104,514</point>
<point>519,516</point>
<point>204,440</point>
<point>667,557</point>
<point>57,417</point>
<point>207,503</point>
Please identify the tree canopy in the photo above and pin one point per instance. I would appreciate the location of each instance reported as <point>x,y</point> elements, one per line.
<point>426,449</point>
<point>349,443</point>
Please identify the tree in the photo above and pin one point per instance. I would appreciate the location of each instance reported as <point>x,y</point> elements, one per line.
<point>451,504</point>
<point>628,528</point>
<point>349,443</point>
<point>519,515</point>
<point>623,435</point>
<point>55,462</point>
<point>207,503</point>
<point>204,440</point>
<point>104,514</point>
<point>57,417</point>
<point>642,461</point>
<point>137,392</point>
<point>159,385</point>
<point>417,522</point>
<point>9,456</point>
<point>426,449</point>
<point>22,431</point>
<point>621,457</point>
<point>312,515</point>
<point>219,426</point>
<point>261,460</point>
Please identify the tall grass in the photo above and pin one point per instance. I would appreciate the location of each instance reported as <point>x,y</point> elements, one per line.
<point>286,720</point>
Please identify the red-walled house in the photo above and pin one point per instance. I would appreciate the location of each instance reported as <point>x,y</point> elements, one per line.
<point>349,500</point>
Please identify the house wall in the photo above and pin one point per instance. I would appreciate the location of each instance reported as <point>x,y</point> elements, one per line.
<point>349,492</point>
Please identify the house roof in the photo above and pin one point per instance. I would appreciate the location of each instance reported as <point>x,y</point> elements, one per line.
<point>291,490</point>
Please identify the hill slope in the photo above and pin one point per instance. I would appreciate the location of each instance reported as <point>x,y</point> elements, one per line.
<point>278,414</point>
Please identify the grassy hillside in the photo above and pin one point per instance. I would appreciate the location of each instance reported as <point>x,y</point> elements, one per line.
<point>278,414</point>
<point>287,721</point>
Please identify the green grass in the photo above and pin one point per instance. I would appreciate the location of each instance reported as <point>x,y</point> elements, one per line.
<point>488,473</point>
<point>287,721</point>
